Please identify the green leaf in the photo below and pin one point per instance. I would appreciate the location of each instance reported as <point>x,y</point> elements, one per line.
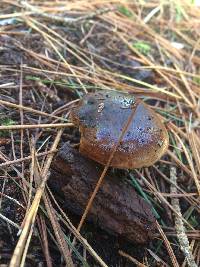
<point>125,11</point>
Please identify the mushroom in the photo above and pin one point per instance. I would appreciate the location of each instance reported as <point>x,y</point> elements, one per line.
<point>101,117</point>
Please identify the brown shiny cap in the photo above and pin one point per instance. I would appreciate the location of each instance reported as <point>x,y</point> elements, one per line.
<point>101,118</point>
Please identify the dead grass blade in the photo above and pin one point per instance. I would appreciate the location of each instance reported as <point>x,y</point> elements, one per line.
<point>78,236</point>
<point>105,45</point>
<point>58,232</point>
<point>190,162</point>
<point>127,256</point>
<point>28,109</point>
<point>168,246</point>
<point>31,215</point>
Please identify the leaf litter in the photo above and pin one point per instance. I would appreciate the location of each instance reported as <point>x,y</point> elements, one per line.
<point>51,54</point>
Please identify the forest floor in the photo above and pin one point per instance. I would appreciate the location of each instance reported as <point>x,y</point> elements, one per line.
<point>51,54</point>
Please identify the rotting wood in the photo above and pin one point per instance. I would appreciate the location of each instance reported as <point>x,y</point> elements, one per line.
<point>117,208</point>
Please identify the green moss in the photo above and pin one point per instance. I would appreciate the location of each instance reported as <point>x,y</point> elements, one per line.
<point>142,47</point>
<point>5,122</point>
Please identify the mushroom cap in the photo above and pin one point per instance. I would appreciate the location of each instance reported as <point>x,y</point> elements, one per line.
<point>101,117</point>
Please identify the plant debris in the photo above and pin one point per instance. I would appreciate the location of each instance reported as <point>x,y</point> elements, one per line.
<point>51,55</point>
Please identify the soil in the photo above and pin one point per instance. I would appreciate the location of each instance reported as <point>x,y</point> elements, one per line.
<point>106,245</point>
<point>33,73</point>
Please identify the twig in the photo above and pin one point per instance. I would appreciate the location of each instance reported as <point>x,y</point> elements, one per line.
<point>65,20</point>
<point>28,109</point>
<point>12,199</point>
<point>21,123</point>
<point>9,221</point>
<point>11,162</point>
<point>43,233</point>
<point>168,246</point>
<point>179,226</point>
<point>159,261</point>
<point>35,126</point>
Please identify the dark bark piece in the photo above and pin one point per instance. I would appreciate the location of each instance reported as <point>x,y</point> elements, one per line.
<point>117,208</point>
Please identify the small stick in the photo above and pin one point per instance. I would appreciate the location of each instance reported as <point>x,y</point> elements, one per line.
<point>65,20</point>
<point>9,221</point>
<point>35,126</point>
<point>11,162</point>
<point>179,225</point>
<point>28,109</point>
